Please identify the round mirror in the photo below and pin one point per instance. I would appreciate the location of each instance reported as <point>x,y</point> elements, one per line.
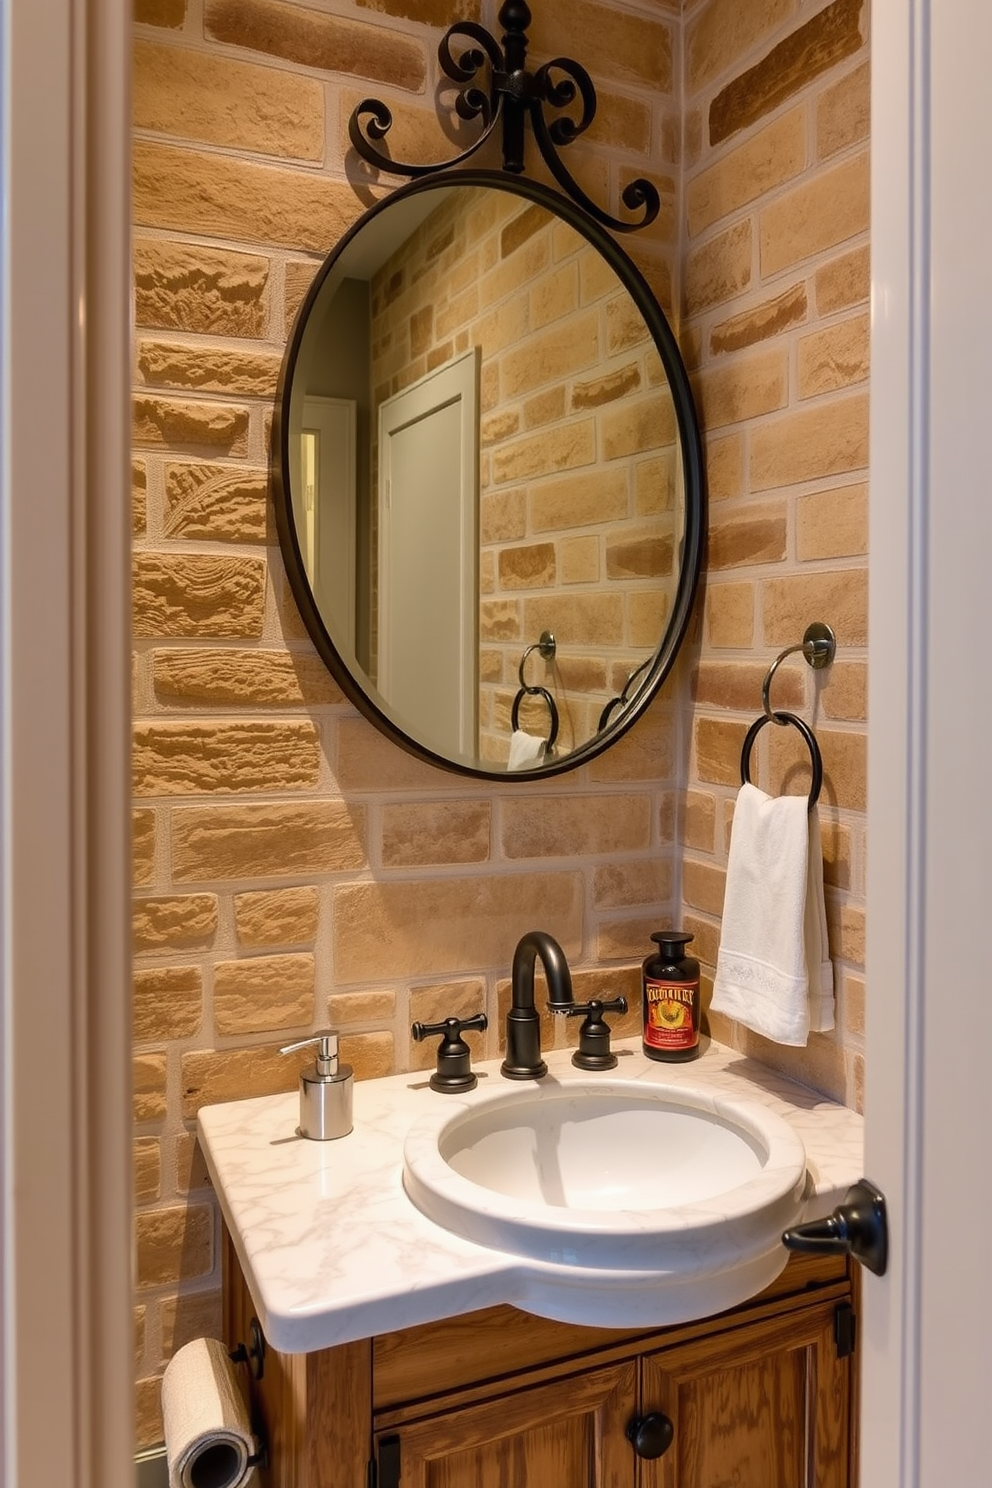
<point>489,482</point>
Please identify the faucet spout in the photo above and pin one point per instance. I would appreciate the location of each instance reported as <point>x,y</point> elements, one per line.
<point>523,1024</point>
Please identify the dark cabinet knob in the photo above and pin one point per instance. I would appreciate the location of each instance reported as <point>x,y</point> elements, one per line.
<point>651,1435</point>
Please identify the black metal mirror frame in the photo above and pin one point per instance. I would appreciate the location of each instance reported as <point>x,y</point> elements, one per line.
<point>693,479</point>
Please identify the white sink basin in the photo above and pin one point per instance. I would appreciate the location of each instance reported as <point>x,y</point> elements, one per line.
<point>608,1175</point>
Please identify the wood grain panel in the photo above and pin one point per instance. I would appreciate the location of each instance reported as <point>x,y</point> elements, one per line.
<point>568,1433</point>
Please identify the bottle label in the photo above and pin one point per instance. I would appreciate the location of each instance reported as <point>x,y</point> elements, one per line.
<point>671,1014</point>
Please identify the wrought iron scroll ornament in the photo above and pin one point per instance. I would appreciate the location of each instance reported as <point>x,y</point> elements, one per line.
<point>513,94</point>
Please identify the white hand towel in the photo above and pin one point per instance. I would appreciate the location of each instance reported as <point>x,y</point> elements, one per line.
<point>772,971</point>
<point>524,748</point>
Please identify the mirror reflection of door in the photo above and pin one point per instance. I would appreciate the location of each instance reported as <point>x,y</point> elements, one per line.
<point>428,556</point>
<point>329,534</point>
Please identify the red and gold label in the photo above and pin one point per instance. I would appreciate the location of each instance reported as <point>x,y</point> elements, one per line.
<point>671,1014</point>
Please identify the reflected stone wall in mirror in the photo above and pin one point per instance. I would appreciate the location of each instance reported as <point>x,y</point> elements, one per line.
<point>485,433</point>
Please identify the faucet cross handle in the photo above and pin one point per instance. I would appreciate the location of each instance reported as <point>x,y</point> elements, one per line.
<point>594,1052</point>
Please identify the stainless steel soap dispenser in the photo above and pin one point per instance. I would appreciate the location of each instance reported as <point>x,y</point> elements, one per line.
<point>325,1090</point>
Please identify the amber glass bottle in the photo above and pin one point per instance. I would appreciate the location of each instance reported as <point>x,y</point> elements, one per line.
<point>670,1004</point>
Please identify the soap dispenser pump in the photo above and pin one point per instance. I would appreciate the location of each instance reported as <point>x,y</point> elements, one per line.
<point>325,1090</point>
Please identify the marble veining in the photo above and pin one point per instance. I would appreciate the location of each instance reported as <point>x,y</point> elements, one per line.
<point>333,1249</point>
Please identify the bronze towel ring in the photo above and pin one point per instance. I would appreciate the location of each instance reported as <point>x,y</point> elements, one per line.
<point>811,744</point>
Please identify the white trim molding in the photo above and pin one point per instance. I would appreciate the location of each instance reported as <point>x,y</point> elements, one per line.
<point>64,709</point>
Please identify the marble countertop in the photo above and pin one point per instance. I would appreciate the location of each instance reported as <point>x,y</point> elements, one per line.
<point>332,1249</point>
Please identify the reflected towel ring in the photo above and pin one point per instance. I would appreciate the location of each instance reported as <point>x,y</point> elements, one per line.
<point>623,698</point>
<point>549,743</point>
<point>811,744</point>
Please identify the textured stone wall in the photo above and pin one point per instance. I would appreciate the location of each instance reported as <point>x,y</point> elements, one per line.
<point>775,326</point>
<point>292,868</point>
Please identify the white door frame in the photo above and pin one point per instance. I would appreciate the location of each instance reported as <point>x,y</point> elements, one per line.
<point>66,1351</point>
<point>927,1323</point>
<point>331,562</point>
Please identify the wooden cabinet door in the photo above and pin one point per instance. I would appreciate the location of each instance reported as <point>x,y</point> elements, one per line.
<point>763,1406</point>
<point>569,1434</point>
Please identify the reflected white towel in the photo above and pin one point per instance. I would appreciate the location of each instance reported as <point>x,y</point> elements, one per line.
<point>524,748</point>
<point>773,973</point>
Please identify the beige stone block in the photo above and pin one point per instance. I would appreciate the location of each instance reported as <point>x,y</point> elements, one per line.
<point>183,759</point>
<point>621,939</point>
<point>836,842</point>
<point>139,498</point>
<point>371,1055</point>
<point>544,408</point>
<point>503,515</point>
<point>647,616</point>
<point>214,100</point>
<point>458,312</point>
<point>580,500</point>
<point>226,370</point>
<point>242,678</point>
<point>500,425</point>
<point>564,448</point>
<point>147,1163</point>
<point>174,922</point>
<point>173,422</point>
<point>808,51</point>
<point>367,761</point>
<point>171,13</point>
<point>705,938</point>
<point>851,1005</point>
<point>266,841</point>
<point>173,1244</point>
<point>645,752</point>
<point>139,1335</point>
<point>222,196</point>
<point>842,113</point>
<point>748,387</point>
<point>639,882</point>
<point>548,357</point>
<point>184,594</point>
<point>847,926</point>
<point>832,524</point>
<point>324,42</point>
<point>752,534</point>
<point>621,123</point>
<point>834,358</point>
<point>190,287</point>
<point>532,566</point>
<point>655,480</point>
<point>799,598</point>
<point>844,694</point>
<point>703,885</point>
<point>724,31</point>
<point>718,745</point>
<point>770,318</point>
<point>418,928</point>
<point>730,615</point>
<point>640,552</point>
<point>270,917</point>
<point>148,1075</point>
<point>844,766</point>
<point>844,281</point>
<point>191,1167</point>
<point>719,269</point>
<point>766,160</point>
<point>827,439</point>
<point>210,1076</point>
<point>699,821</point>
<point>725,467</point>
<point>577,619</point>
<point>298,276</point>
<point>637,426</point>
<point>573,826</point>
<point>432,832</point>
<point>148,1429</point>
<point>189,1315</point>
<point>606,389</point>
<point>167,1003</point>
<point>737,684</point>
<point>499,620</point>
<point>632,49</point>
<point>579,560</point>
<point>361,1007</point>
<point>264,993</point>
<point>522,262</point>
<point>142,847</point>
<point>626,327</point>
<point>825,210</point>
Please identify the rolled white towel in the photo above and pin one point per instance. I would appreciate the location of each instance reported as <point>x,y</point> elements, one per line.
<point>208,1437</point>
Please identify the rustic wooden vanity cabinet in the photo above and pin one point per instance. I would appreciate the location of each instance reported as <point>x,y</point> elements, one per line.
<point>758,1397</point>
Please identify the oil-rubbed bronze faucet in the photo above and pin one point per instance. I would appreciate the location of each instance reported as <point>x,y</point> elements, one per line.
<point>523,1023</point>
